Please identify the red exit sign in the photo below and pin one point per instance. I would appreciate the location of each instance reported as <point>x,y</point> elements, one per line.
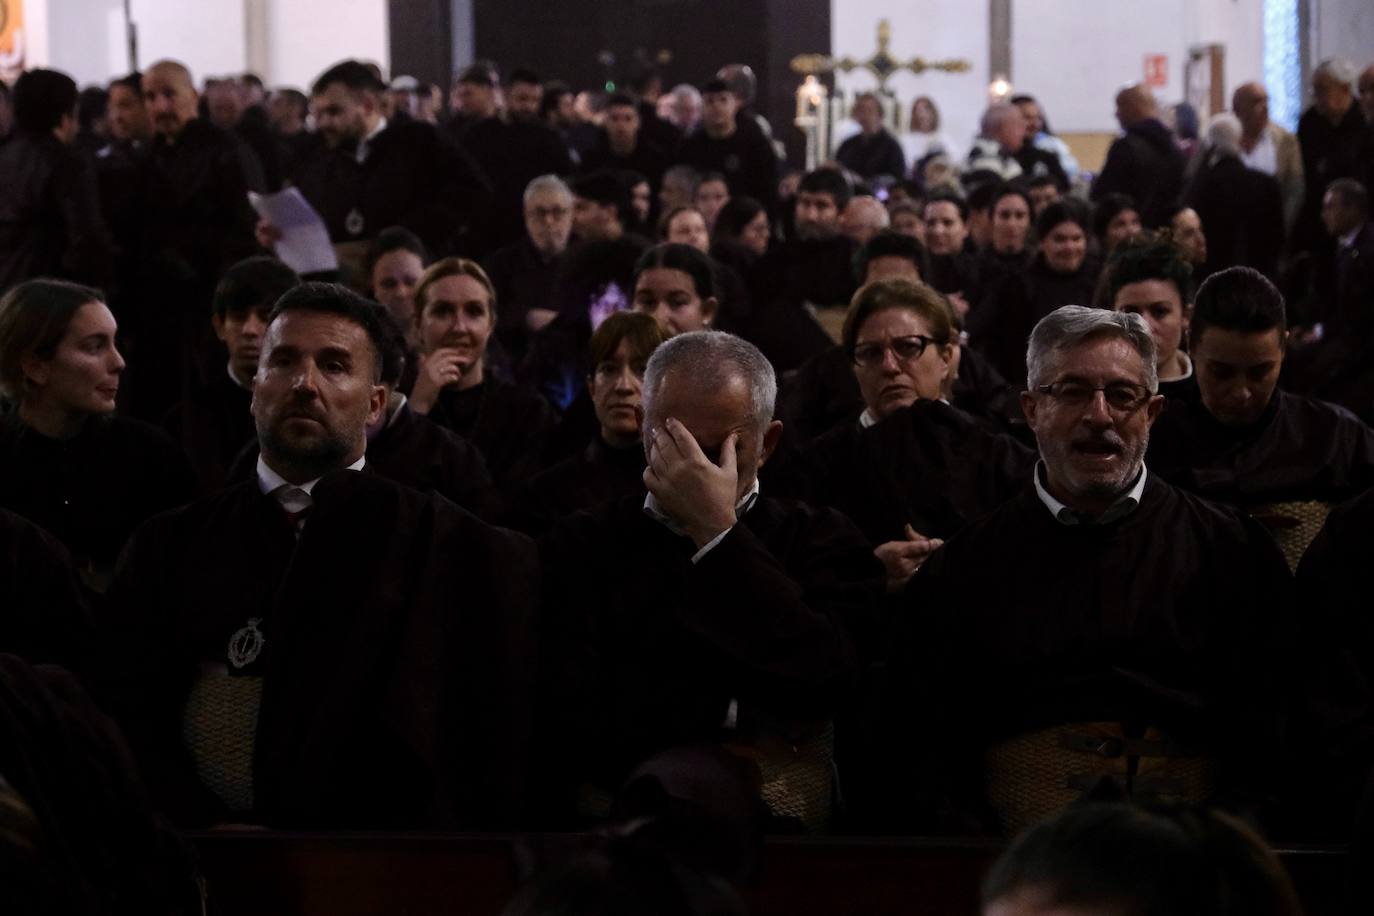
<point>1157,70</point>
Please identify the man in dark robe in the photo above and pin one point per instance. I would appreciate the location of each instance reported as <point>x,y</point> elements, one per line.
<point>213,422</point>
<point>811,271</point>
<point>199,223</point>
<point>1115,599</point>
<point>1245,441</point>
<point>121,172</point>
<point>1241,208</point>
<point>511,153</point>
<point>1343,370</point>
<point>319,646</point>
<point>50,221</point>
<point>705,612</point>
<point>1332,134</point>
<point>1144,162</point>
<point>364,173</point>
<point>524,274</point>
<point>744,157</point>
<point>623,145</point>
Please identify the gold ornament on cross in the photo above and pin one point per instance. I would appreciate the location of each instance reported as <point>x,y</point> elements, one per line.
<point>882,64</point>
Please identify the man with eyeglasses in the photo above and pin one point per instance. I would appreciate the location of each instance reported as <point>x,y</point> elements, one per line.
<point>1099,595</point>
<point>524,274</point>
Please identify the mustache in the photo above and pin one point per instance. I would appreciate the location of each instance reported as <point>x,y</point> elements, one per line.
<point>1108,439</point>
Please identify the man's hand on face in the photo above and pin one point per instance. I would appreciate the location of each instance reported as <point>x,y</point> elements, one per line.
<point>438,369</point>
<point>697,494</point>
<point>903,558</point>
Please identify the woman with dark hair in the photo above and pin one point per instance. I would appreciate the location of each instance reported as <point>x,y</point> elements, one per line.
<point>1059,274</point>
<point>67,462</point>
<point>743,223</point>
<point>676,285</point>
<point>1011,224</point>
<point>1114,859</point>
<point>454,319</point>
<point>1115,219</point>
<point>612,463</point>
<point>395,260</point>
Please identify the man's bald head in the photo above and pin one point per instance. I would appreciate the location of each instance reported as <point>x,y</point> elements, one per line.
<point>1134,104</point>
<point>170,95</point>
<point>1250,103</point>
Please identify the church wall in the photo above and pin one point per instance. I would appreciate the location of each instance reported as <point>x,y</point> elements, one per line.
<point>304,37</point>
<point>1343,28</point>
<point>933,29</point>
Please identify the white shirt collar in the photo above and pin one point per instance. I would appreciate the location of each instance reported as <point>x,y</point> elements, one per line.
<point>654,509</point>
<point>269,481</point>
<point>1348,240</point>
<point>1187,369</point>
<point>235,379</point>
<point>867,419</point>
<point>1124,505</point>
<point>365,145</point>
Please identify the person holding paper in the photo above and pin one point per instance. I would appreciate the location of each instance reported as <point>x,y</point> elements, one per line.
<point>363,173</point>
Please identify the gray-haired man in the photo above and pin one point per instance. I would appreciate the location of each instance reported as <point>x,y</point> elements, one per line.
<point>702,612</point>
<point>1101,595</point>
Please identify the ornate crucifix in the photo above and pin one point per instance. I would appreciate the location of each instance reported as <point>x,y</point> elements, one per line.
<point>882,64</point>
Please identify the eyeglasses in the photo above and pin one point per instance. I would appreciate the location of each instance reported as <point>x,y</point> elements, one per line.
<point>1121,397</point>
<point>906,349</point>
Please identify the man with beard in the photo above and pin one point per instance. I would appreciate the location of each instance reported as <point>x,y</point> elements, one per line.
<point>199,223</point>
<point>319,646</point>
<point>1112,599</point>
<point>364,173</point>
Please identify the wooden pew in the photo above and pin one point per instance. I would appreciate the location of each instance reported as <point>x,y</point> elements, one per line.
<point>265,873</point>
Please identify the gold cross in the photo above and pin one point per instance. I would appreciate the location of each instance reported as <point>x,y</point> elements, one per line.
<point>882,64</point>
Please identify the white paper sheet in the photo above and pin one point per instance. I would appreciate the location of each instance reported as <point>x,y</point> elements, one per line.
<point>304,246</point>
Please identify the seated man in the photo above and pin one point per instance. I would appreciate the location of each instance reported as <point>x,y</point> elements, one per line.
<point>1101,595</point>
<point>320,647</point>
<point>213,422</point>
<point>706,612</point>
<point>1246,442</point>
<point>410,448</point>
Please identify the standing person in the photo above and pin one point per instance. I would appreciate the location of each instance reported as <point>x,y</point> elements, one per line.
<point>50,220</point>
<point>1144,162</point>
<point>364,173</point>
<point>745,158</point>
<point>199,223</point>
<point>1241,208</point>
<point>1040,137</point>
<point>1268,148</point>
<point>624,146</point>
<point>68,463</point>
<point>1331,133</point>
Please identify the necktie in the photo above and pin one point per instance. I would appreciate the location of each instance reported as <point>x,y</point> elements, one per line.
<point>296,503</point>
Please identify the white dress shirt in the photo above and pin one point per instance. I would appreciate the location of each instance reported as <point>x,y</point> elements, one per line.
<point>1124,505</point>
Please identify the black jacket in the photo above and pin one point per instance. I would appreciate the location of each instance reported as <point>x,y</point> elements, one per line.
<point>50,220</point>
<point>1146,164</point>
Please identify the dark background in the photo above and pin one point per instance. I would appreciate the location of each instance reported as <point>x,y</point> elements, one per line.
<point>562,39</point>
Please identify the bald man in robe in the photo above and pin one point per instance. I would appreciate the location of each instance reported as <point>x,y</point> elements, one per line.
<point>1144,162</point>
<point>199,223</point>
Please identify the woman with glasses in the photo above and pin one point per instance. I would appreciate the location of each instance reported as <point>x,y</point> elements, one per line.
<point>911,469</point>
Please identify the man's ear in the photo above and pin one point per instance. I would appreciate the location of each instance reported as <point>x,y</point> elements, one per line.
<point>1029,403</point>
<point>1153,408</point>
<point>376,406</point>
<point>771,436</point>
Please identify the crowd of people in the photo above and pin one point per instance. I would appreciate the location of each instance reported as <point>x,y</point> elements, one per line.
<point>917,493</point>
